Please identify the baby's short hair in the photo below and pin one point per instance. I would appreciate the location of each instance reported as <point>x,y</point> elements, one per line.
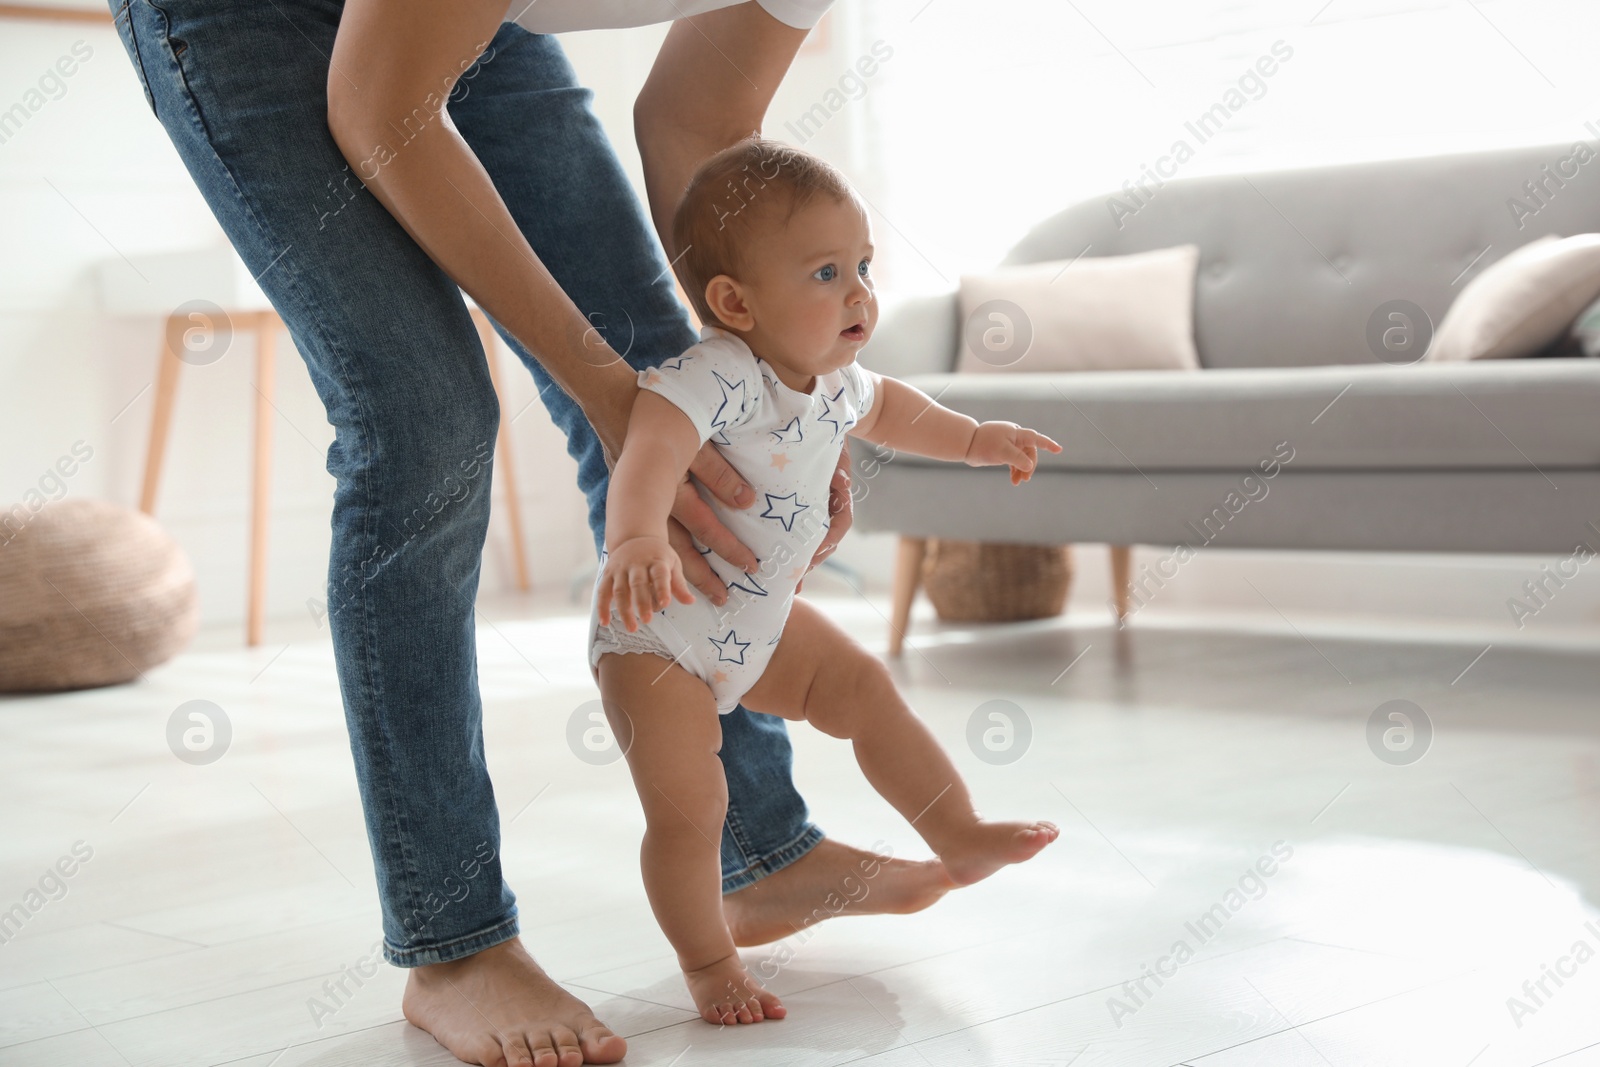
<point>747,186</point>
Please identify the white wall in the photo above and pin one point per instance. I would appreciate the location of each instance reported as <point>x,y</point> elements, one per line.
<point>973,129</point>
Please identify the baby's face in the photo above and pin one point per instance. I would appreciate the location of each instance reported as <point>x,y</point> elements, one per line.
<point>809,290</point>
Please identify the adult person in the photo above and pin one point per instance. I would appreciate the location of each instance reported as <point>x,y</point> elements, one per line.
<point>369,160</point>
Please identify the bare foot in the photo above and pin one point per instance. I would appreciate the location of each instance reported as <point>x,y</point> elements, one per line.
<point>831,879</point>
<point>725,994</point>
<point>986,846</point>
<point>498,1008</point>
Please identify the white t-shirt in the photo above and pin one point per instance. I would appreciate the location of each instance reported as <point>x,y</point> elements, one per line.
<point>561,16</point>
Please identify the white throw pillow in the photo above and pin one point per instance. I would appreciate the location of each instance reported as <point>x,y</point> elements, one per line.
<point>1131,312</point>
<point>1522,303</point>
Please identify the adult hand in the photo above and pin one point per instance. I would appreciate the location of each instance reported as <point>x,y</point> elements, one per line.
<point>692,517</point>
<point>841,511</point>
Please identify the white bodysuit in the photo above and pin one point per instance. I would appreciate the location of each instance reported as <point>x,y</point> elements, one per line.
<point>786,444</point>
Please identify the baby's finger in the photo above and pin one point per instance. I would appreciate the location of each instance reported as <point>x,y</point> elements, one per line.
<point>643,595</point>
<point>1047,442</point>
<point>603,602</point>
<point>1021,473</point>
<point>630,619</point>
<point>619,605</point>
<point>661,583</point>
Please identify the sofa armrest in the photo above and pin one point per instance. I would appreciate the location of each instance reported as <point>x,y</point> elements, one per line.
<point>915,335</point>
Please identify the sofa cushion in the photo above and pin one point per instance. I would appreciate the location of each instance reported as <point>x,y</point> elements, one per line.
<point>1494,415</point>
<point>1095,313</point>
<point>1523,303</point>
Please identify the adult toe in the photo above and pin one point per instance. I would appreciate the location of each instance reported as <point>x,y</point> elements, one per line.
<point>568,1050</point>
<point>516,1052</point>
<point>599,1045</point>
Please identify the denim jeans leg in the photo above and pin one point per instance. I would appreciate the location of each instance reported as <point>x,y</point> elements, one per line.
<point>529,121</point>
<point>240,90</point>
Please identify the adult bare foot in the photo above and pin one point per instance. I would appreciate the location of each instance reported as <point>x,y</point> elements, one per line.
<point>726,994</point>
<point>831,879</point>
<point>498,1008</point>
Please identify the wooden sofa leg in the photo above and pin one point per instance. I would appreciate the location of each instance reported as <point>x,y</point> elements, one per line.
<point>907,577</point>
<point>1121,575</point>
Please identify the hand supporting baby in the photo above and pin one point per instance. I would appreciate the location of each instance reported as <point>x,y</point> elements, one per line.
<point>997,443</point>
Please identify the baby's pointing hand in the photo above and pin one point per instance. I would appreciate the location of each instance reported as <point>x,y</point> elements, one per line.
<point>642,574</point>
<point>996,443</point>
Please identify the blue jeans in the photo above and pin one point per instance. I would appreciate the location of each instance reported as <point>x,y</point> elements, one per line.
<point>241,91</point>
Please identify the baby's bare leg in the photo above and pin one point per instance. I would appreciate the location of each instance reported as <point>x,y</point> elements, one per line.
<point>819,674</point>
<point>666,721</point>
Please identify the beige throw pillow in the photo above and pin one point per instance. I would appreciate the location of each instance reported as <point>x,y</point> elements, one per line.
<point>1132,312</point>
<point>1522,303</point>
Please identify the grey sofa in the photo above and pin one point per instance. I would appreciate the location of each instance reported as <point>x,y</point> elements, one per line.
<point>1492,456</point>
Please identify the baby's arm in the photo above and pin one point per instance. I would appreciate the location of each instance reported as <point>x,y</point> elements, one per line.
<point>643,571</point>
<point>906,419</point>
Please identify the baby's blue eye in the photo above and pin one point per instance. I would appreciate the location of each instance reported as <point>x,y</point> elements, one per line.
<point>830,270</point>
<point>862,269</point>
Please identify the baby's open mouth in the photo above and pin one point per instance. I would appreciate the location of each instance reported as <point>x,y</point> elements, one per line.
<point>858,332</point>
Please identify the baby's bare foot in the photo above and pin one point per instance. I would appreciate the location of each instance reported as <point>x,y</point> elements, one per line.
<point>499,1007</point>
<point>724,993</point>
<point>985,847</point>
<point>832,879</point>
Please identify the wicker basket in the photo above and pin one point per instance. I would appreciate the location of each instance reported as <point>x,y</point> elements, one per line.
<point>982,581</point>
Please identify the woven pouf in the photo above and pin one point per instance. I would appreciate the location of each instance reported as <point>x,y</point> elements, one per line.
<point>90,594</point>
<point>984,581</point>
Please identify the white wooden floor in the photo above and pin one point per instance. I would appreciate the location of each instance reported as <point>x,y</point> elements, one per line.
<point>1417,899</point>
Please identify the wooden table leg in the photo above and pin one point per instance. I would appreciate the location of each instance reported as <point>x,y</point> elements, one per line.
<point>504,454</point>
<point>266,325</point>
<point>907,577</point>
<point>167,366</point>
<point>1121,576</point>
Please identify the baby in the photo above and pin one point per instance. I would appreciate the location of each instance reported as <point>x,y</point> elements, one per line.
<point>778,271</point>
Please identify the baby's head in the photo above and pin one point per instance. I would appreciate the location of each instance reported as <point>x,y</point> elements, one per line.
<point>777,248</point>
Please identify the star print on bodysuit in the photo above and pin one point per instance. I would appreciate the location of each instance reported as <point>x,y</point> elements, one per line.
<point>730,392</point>
<point>730,640</point>
<point>784,509</point>
<point>834,414</point>
<point>790,434</point>
<point>748,584</point>
<point>675,363</point>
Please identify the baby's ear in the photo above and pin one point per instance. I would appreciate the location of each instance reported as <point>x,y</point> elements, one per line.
<point>725,297</point>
